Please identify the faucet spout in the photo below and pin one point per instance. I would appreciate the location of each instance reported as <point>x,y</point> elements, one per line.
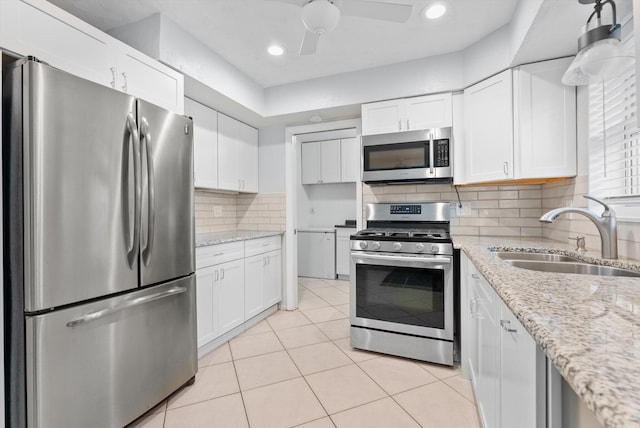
<point>606,225</point>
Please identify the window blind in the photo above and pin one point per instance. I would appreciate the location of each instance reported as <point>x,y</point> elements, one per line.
<point>614,136</point>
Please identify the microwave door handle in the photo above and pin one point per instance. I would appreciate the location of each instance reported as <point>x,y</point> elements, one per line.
<point>431,155</point>
<point>145,138</point>
<point>134,137</point>
<point>430,260</point>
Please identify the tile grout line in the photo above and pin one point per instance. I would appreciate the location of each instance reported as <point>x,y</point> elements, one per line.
<point>244,405</point>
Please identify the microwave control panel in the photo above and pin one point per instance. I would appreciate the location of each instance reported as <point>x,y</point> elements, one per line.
<point>441,153</point>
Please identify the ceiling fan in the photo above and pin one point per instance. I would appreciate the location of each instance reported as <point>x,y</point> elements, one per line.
<point>322,16</point>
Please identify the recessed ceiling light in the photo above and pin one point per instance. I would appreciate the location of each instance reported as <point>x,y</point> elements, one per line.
<point>435,11</point>
<point>275,50</point>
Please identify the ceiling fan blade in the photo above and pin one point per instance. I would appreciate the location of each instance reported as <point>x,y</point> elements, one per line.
<point>309,43</point>
<point>376,10</point>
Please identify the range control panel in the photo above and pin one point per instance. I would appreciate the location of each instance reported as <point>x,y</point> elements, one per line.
<point>405,209</point>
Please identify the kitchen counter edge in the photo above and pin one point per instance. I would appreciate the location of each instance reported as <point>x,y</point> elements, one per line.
<point>578,320</point>
<point>208,239</point>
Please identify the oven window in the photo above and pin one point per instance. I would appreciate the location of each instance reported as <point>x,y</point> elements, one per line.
<point>403,295</point>
<point>396,156</point>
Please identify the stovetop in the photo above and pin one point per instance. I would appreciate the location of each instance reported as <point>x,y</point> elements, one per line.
<point>410,235</point>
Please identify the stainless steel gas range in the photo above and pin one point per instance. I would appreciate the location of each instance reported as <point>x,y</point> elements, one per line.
<point>402,297</point>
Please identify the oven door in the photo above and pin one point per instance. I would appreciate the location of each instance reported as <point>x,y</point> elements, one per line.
<point>411,294</point>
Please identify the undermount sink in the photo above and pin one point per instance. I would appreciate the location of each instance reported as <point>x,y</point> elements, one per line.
<point>544,257</point>
<point>571,267</point>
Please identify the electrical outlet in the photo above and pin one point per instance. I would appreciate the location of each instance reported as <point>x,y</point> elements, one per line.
<point>465,210</point>
<point>313,210</point>
<point>217,210</point>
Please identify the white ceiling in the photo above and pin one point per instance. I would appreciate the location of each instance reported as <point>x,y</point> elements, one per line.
<point>241,30</point>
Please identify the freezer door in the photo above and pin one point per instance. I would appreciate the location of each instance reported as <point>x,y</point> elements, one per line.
<point>72,173</point>
<point>167,235</point>
<point>105,363</point>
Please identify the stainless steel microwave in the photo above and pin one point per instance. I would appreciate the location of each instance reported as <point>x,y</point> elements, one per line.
<point>412,156</point>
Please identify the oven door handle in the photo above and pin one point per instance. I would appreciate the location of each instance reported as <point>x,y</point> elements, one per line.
<point>430,260</point>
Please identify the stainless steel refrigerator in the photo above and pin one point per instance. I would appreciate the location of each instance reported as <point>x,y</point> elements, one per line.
<point>98,251</point>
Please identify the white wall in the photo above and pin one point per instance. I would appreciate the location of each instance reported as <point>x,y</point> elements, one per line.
<point>428,75</point>
<point>271,160</point>
<point>325,205</point>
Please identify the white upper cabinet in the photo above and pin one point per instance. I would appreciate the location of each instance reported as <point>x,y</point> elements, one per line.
<point>518,125</point>
<point>249,158</point>
<point>321,162</point>
<point>349,159</point>
<point>237,155</point>
<point>40,29</point>
<point>429,111</point>
<point>382,117</point>
<point>544,121</point>
<point>205,144</point>
<point>407,114</point>
<point>488,131</point>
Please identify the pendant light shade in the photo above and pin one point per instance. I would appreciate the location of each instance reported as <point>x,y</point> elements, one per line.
<point>601,56</point>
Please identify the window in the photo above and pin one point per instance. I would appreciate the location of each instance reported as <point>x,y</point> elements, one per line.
<point>614,139</point>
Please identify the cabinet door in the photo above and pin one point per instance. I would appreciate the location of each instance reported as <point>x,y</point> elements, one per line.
<point>205,285</point>
<point>545,121</point>
<point>343,256</point>
<point>205,144</point>
<point>488,357</point>
<point>253,284</point>
<point>429,111</point>
<point>521,365</point>
<point>489,129</point>
<point>349,159</point>
<point>249,159</point>
<point>330,161</point>
<point>383,117</point>
<point>310,164</point>
<point>272,279</point>
<point>146,78</point>
<point>228,153</point>
<point>54,36</point>
<point>230,296</point>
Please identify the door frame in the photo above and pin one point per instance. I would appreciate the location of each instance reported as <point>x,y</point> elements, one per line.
<point>293,137</point>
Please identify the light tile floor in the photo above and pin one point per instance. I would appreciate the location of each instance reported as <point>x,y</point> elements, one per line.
<point>297,369</point>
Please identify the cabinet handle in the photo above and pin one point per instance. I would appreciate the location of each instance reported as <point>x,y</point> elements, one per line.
<point>505,326</point>
<point>124,87</point>
<point>113,77</point>
<point>264,261</point>
<point>475,276</point>
<point>472,304</point>
<point>505,168</point>
<point>217,254</point>
<point>399,125</point>
<point>268,260</point>
<point>217,275</point>
<point>221,273</point>
<point>408,127</point>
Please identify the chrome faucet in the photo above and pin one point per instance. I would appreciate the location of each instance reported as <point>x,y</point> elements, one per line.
<point>606,224</point>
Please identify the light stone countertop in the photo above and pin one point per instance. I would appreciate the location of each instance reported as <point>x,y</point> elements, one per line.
<point>588,325</point>
<point>205,239</point>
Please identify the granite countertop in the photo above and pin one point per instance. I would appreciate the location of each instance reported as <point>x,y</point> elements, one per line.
<point>588,325</point>
<point>205,239</point>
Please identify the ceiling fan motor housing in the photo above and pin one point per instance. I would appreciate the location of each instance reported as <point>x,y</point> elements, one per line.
<point>320,16</point>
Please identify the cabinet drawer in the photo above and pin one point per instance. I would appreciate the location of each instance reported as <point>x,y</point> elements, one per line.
<point>221,253</point>
<point>262,245</point>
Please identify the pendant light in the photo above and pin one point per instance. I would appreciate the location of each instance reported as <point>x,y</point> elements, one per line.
<point>601,55</point>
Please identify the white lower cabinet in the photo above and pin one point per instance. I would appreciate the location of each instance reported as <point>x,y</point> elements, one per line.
<point>502,360</point>
<point>229,299</point>
<point>343,253</point>
<point>235,282</point>
<point>263,279</point>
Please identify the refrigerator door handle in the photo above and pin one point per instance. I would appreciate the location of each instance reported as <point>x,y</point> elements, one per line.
<point>94,316</point>
<point>145,139</point>
<point>132,129</point>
